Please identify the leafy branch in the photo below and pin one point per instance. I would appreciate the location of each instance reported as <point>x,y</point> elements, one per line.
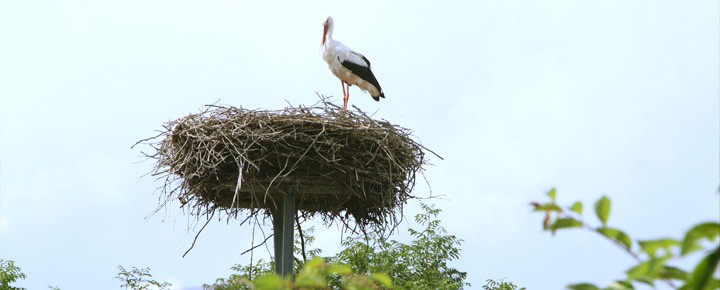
<point>368,262</point>
<point>9,274</point>
<point>138,279</point>
<point>652,256</point>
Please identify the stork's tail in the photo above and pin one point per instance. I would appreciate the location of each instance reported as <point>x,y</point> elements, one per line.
<point>377,98</point>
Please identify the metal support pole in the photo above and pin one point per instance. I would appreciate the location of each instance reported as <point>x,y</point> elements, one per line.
<point>277,238</point>
<point>283,221</point>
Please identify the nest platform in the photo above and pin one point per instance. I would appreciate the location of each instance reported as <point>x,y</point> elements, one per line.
<point>339,164</point>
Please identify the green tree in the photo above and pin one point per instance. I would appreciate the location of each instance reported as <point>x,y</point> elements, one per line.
<point>371,261</point>
<point>242,278</point>
<point>501,285</point>
<point>654,257</point>
<point>9,274</point>
<point>421,264</point>
<point>139,279</point>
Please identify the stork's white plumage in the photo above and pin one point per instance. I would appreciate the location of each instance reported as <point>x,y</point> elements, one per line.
<point>349,66</point>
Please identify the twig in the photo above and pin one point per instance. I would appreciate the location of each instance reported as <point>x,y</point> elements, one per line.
<point>302,238</point>
<point>258,245</point>
<point>198,234</point>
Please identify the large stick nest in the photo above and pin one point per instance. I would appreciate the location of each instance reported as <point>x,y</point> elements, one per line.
<point>342,165</point>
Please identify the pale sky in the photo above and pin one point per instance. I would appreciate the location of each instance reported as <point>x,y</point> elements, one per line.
<point>616,98</point>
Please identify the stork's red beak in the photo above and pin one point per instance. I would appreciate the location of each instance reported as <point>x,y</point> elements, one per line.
<point>324,33</point>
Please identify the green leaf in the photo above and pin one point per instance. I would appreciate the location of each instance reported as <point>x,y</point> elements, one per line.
<point>709,231</point>
<point>563,223</point>
<point>577,207</point>
<point>312,274</point>
<point>701,277</point>
<point>314,263</point>
<point>674,273</point>
<point>639,271</point>
<point>339,269</point>
<point>647,271</point>
<point>616,235</point>
<point>383,279</point>
<point>602,209</point>
<point>552,193</point>
<point>619,285</point>
<point>309,281</point>
<point>546,207</point>
<point>651,247</point>
<point>583,286</point>
<point>269,282</point>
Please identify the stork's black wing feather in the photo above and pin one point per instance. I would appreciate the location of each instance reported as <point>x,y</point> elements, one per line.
<point>364,72</point>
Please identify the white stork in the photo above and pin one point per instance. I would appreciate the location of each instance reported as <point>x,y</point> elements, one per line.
<point>349,66</point>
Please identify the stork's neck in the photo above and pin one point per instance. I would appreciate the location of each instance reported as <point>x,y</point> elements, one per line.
<point>328,34</point>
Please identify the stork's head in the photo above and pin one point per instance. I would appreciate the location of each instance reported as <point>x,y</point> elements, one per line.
<point>327,28</point>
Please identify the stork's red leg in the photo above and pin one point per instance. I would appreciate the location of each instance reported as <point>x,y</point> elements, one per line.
<point>347,98</point>
<point>346,94</point>
<point>342,84</point>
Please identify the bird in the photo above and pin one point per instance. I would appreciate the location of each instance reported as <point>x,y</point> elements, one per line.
<point>350,67</point>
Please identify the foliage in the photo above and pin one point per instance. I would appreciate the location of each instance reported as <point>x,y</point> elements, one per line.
<point>242,277</point>
<point>421,264</point>
<point>315,274</point>
<point>502,285</point>
<point>139,279</point>
<point>653,256</point>
<point>370,261</point>
<point>9,274</point>
<point>304,239</point>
